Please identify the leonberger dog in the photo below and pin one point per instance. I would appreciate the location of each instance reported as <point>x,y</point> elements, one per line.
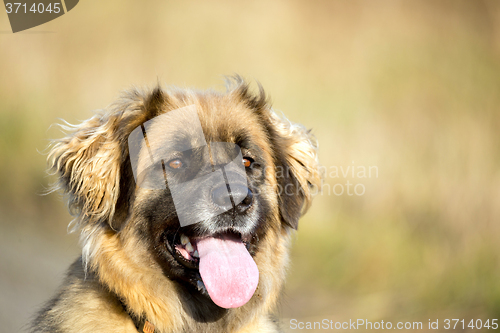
<point>186,202</point>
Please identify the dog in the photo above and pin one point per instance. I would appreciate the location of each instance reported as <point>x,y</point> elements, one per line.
<point>186,202</point>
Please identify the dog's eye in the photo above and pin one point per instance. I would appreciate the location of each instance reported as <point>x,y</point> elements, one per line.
<point>247,162</point>
<point>175,163</point>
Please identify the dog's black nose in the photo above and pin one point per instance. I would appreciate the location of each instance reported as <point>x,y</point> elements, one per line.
<point>243,198</point>
<point>239,195</point>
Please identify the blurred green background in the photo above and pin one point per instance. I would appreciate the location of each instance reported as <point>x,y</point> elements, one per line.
<point>410,87</point>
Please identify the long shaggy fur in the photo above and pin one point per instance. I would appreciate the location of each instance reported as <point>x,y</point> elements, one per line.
<point>118,274</point>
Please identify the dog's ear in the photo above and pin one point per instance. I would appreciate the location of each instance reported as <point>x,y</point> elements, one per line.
<point>297,167</point>
<point>295,153</point>
<point>92,163</point>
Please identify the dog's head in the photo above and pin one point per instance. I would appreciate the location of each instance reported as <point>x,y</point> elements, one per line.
<point>200,187</point>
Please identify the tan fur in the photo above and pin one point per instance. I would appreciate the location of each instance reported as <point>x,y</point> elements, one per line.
<point>115,261</point>
<point>303,156</point>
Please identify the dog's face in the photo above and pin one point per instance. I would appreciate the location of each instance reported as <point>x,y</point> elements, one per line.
<point>209,212</point>
<point>216,197</point>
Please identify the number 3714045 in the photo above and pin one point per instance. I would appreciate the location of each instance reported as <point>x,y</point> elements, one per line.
<point>23,8</point>
<point>473,324</point>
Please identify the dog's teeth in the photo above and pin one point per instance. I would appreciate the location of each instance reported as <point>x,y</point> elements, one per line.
<point>189,247</point>
<point>200,285</point>
<point>195,254</point>
<point>184,239</point>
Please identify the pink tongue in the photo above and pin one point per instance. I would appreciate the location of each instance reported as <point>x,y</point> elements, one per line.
<point>228,271</point>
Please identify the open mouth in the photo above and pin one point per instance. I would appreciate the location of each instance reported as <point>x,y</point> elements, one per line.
<point>185,249</point>
<point>224,262</point>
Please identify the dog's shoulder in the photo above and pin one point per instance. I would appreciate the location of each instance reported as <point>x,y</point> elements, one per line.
<point>81,305</point>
